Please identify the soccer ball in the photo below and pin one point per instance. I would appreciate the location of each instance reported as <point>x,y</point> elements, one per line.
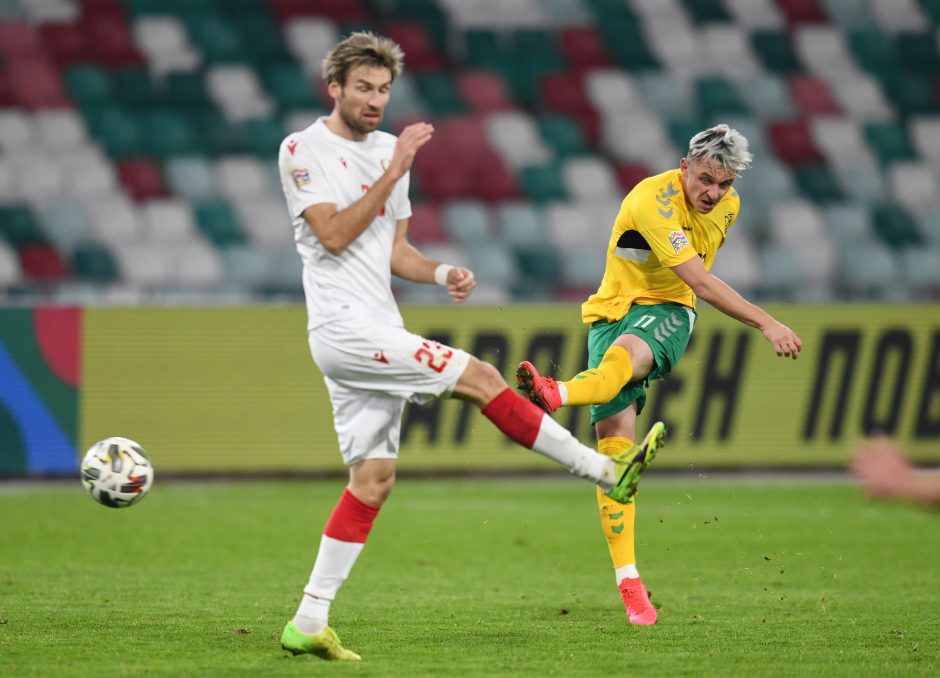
<point>117,472</point>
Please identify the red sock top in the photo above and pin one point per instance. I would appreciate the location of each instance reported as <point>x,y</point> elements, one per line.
<point>351,520</point>
<point>515,416</point>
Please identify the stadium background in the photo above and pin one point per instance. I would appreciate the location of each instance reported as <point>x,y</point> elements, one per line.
<point>150,287</point>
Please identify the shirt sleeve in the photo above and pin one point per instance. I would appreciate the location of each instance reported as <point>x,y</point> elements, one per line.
<point>661,227</point>
<point>302,177</point>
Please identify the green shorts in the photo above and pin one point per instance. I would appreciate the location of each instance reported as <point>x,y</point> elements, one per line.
<point>665,327</point>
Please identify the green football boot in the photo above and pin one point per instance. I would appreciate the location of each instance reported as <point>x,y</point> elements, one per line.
<point>325,644</point>
<point>631,464</point>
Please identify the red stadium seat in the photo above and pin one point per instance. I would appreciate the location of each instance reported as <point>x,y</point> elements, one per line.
<point>142,179</point>
<point>420,52</point>
<point>18,39</point>
<point>565,93</point>
<point>65,42</point>
<point>35,83</point>
<point>813,96</point>
<point>793,143</point>
<point>425,225</point>
<point>43,263</point>
<point>485,92</point>
<point>584,48</point>
<point>109,40</point>
<point>629,174</point>
<point>802,11</point>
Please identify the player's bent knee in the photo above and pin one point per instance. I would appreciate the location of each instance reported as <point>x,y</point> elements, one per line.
<point>480,382</point>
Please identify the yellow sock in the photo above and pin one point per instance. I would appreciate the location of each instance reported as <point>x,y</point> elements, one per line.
<point>601,384</point>
<point>616,518</point>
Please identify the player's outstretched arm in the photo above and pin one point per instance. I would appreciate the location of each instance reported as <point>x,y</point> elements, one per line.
<point>338,229</point>
<point>410,264</point>
<point>720,295</point>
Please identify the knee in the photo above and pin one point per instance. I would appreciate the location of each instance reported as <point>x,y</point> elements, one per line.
<point>374,490</point>
<point>481,382</point>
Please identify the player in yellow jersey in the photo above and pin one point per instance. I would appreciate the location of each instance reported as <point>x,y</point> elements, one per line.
<point>663,245</point>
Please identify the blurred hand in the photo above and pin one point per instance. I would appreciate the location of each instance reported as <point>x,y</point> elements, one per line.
<point>409,141</point>
<point>784,340</point>
<point>460,283</point>
<point>881,468</point>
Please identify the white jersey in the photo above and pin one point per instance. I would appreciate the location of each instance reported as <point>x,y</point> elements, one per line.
<point>318,166</point>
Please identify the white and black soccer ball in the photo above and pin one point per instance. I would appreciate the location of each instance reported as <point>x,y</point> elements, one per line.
<point>117,472</point>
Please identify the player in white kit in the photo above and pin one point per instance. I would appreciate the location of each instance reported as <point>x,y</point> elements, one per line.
<point>346,185</point>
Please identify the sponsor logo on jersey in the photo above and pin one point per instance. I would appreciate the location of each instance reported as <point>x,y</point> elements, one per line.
<point>678,241</point>
<point>343,162</point>
<point>379,357</point>
<point>292,146</point>
<point>301,177</point>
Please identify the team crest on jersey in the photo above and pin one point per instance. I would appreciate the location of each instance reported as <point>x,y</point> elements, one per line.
<point>678,241</point>
<point>301,177</point>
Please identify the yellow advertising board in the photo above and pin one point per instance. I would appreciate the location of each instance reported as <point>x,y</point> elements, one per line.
<point>235,389</point>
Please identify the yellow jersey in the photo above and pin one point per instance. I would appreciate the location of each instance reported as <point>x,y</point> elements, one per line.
<point>655,230</point>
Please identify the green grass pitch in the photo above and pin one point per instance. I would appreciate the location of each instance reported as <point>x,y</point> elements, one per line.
<point>472,577</point>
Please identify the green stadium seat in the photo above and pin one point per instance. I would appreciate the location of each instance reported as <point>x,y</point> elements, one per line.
<point>932,8</point>
<point>912,93</point>
<point>543,182</point>
<point>889,140</point>
<point>263,136</point>
<point>537,47</point>
<point>187,90</point>
<point>850,13</point>
<point>917,52</point>
<point>169,132</point>
<point>93,263</point>
<point>218,136</point>
<point>682,130</point>
<point>538,265</point>
<point>627,44</point>
<point>895,227</point>
<point>217,222</point>
<point>718,96</point>
<point>563,134</point>
<point>290,86</point>
<point>19,227</point>
<point>611,10</point>
<point>439,94</point>
<point>134,88</point>
<point>116,129</point>
<point>259,35</point>
<point>215,36</point>
<point>874,51</point>
<point>707,11</point>
<point>484,49</point>
<point>817,183</point>
<point>775,51</point>
<point>88,84</point>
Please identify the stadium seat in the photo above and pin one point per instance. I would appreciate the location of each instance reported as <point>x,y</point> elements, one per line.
<point>767,97</point>
<point>191,177</point>
<point>91,262</point>
<point>141,178</point>
<point>484,91</point>
<point>9,266</point>
<point>894,226</point>
<point>265,221</point>
<point>589,178</point>
<point>868,269</point>
<point>563,134</point>
<point>426,224</point>
<point>793,142</point>
<point>890,141</point>
<point>468,222</point>
<point>913,184</point>
<point>543,183</point>
<point>736,264</point>
<point>847,222</point>
<point>817,183</point>
<point>42,264</point>
<point>516,137</point>
<point>217,223</point>
<point>813,97</point>
<point>919,268</point>
<point>492,263</point>
<point>116,220</point>
<point>520,224</point>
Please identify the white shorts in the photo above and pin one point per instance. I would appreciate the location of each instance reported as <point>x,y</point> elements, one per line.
<point>370,372</point>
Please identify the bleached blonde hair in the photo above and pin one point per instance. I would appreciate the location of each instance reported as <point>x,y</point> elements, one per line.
<point>723,144</point>
<point>362,48</point>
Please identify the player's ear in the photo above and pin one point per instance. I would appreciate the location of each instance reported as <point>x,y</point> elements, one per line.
<point>334,89</point>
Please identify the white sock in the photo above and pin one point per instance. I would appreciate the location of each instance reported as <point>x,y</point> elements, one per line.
<point>563,392</point>
<point>626,572</point>
<point>556,442</point>
<point>334,562</point>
